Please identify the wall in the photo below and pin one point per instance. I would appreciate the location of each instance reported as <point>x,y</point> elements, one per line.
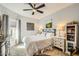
<point>63,16</point>
<point>14,16</point>
<point>24,31</point>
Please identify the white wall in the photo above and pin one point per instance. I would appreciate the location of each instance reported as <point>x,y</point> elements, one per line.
<point>13,16</point>
<point>24,31</point>
<point>62,16</point>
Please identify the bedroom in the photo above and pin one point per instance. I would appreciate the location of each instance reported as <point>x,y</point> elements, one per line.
<point>38,33</point>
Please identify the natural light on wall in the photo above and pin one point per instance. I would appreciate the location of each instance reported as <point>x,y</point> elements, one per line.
<point>60,27</point>
<point>61,30</point>
<point>41,27</point>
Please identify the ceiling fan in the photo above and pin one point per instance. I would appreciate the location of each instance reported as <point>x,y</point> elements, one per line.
<point>34,8</point>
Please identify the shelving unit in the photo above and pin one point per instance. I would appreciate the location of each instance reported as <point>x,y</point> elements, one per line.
<point>72,38</point>
<point>71,33</point>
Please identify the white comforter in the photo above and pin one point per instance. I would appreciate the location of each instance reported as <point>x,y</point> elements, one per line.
<point>34,43</point>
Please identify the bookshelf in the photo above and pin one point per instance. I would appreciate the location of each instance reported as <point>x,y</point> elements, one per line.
<point>71,33</point>
<point>72,38</point>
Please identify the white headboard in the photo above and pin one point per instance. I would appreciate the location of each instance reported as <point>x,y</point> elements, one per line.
<point>50,30</point>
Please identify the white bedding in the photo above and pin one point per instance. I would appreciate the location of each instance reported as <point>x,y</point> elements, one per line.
<point>40,37</point>
<point>31,45</point>
<point>36,42</point>
<point>37,38</point>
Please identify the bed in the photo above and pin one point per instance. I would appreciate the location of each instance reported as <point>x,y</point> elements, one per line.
<point>32,44</point>
<point>37,42</point>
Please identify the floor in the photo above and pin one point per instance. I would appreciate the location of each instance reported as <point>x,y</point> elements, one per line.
<point>20,51</point>
<point>55,52</point>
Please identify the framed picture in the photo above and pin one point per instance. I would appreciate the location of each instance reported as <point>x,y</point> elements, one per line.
<point>49,25</point>
<point>30,26</point>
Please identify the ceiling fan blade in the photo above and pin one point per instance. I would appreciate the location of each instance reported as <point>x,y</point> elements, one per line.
<point>31,5</point>
<point>32,13</point>
<point>34,5</point>
<point>40,6</point>
<point>27,9</point>
<point>39,11</point>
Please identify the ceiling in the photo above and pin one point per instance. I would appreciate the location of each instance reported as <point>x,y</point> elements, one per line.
<point>49,8</point>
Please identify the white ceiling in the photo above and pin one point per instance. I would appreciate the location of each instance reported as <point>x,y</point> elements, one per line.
<point>49,8</point>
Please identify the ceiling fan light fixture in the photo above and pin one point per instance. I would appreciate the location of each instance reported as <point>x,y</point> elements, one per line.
<point>34,10</point>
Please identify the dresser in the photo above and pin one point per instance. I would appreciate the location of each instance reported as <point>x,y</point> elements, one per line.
<point>59,42</point>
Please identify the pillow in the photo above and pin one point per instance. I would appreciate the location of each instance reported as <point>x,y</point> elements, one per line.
<point>43,33</point>
<point>49,35</point>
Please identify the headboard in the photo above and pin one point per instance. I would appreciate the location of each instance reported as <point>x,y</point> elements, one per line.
<point>50,30</point>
